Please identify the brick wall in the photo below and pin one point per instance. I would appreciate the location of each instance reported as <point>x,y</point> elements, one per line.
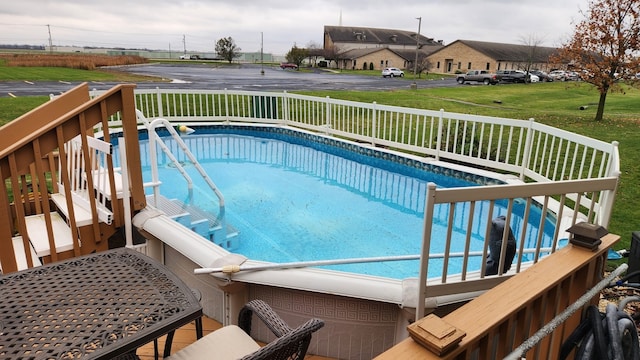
<point>380,59</point>
<point>460,57</point>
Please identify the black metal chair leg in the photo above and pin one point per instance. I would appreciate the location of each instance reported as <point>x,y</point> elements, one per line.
<point>199,328</point>
<point>167,343</point>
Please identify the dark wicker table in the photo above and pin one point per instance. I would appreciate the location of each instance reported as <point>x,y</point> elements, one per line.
<point>98,306</point>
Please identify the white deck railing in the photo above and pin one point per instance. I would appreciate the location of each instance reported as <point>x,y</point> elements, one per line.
<point>523,147</point>
<point>570,175</point>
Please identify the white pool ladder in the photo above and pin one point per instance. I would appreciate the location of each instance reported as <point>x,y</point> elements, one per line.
<point>155,139</point>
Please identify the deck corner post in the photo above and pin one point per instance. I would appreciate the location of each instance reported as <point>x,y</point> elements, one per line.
<point>426,244</point>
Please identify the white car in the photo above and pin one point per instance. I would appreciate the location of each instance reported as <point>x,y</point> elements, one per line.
<point>392,72</point>
<point>558,75</point>
<point>534,78</point>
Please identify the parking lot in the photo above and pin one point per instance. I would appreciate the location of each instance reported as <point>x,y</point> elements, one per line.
<point>241,77</point>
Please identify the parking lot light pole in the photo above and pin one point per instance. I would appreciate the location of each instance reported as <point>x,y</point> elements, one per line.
<point>415,64</point>
<point>261,53</point>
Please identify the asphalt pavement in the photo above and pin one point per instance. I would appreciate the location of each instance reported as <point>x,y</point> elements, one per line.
<point>250,77</point>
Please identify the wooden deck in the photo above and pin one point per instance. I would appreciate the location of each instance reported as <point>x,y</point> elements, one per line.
<point>187,335</point>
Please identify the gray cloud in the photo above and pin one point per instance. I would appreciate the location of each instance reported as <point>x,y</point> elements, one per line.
<point>160,24</point>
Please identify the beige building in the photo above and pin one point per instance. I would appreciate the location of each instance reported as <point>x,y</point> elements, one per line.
<point>372,59</point>
<point>463,55</point>
<point>371,48</point>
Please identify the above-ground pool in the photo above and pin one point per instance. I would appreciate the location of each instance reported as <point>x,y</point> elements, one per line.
<point>294,196</point>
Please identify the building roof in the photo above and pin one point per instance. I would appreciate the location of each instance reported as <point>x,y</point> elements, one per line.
<point>365,35</point>
<point>508,52</point>
<point>358,53</point>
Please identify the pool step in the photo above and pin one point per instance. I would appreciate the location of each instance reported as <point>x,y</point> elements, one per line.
<point>226,238</point>
<point>198,220</point>
<point>169,207</point>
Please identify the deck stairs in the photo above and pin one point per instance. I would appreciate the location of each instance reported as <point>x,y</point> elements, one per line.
<point>77,167</point>
<point>199,221</point>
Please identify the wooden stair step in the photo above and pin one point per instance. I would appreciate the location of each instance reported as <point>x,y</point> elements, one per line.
<point>83,216</point>
<point>20,255</point>
<point>37,230</point>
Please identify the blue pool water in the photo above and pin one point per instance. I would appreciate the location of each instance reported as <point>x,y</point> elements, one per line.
<point>295,199</point>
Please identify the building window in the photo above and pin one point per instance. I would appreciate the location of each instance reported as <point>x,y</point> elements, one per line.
<point>459,65</point>
<point>469,66</point>
<point>438,65</point>
<point>488,66</point>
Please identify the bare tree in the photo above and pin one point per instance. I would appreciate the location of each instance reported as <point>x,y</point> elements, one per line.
<point>532,42</point>
<point>314,51</point>
<point>332,53</point>
<point>605,45</point>
<point>424,65</point>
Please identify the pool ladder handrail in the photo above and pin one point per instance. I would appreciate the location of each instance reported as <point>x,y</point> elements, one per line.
<point>154,138</point>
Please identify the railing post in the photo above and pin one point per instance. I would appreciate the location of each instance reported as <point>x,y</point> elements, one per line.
<point>226,105</point>
<point>285,107</point>
<point>526,154</point>
<point>328,115</point>
<point>426,245</point>
<point>439,135</point>
<point>159,103</point>
<point>374,123</point>
<point>606,202</point>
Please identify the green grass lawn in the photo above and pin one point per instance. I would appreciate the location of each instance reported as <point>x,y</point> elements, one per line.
<point>554,104</point>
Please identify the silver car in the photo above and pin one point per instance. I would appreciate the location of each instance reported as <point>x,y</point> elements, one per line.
<point>392,72</point>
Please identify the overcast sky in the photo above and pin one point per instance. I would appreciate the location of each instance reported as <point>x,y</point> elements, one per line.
<point>276,24</point>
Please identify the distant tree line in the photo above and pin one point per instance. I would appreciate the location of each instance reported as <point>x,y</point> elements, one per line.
<point>21,47</point>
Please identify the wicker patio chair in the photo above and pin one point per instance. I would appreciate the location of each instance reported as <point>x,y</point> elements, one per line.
<point>234,342</point>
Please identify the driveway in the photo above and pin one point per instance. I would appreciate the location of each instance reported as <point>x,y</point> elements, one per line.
<point>202,76</point>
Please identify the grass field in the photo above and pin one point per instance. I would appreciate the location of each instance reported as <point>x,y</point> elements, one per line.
<point>554,104</point>
<point>27,67</point>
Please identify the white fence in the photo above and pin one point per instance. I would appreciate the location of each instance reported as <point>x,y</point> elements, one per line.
<point>567,174</point>
<point>523,147</point>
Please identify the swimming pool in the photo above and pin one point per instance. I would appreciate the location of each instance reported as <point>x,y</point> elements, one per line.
<point>300,197</point>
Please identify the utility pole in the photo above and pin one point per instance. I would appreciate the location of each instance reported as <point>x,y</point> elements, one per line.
<point>415,64</point>
<point>261,53</point>
<point>184,44</point>
<point>50,41</point>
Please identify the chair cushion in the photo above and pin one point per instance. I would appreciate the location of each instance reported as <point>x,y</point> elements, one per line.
<point>229,342</point>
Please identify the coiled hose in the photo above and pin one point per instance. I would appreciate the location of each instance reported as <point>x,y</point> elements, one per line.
<point>609,336</point>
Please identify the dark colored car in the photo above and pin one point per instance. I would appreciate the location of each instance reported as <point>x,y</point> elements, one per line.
<point>515,76</point>
<point>289,66</point>
<point>573,76</point>
<point>544,77</point>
